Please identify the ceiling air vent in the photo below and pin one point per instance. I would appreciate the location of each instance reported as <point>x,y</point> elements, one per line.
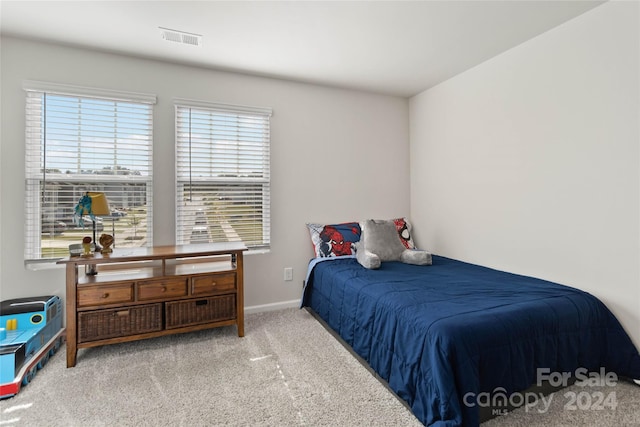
<point>181,36</point>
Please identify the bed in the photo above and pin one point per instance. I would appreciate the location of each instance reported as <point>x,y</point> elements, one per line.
<point>444,334</point>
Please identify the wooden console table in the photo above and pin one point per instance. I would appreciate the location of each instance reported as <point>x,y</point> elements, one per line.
<point>143,293</point>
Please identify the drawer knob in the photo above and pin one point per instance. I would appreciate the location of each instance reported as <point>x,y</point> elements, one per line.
<point>213,283</point>
<point>164,289</point>
<point>105,295</point>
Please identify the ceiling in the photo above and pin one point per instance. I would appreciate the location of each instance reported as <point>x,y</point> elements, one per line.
<point>393,47</point>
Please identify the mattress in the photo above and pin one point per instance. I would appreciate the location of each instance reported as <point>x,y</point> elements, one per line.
<point>445,334</point>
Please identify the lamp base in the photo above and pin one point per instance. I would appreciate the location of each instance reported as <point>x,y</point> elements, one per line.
<point>98,248</point>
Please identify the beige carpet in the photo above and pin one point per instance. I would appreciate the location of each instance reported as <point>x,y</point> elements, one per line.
<point>287,371</point>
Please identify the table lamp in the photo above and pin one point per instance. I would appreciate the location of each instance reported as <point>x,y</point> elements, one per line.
<point>96,204</point>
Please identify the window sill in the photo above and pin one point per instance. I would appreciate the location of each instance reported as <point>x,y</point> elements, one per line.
<point>42,265</point>
<point>258,252</point>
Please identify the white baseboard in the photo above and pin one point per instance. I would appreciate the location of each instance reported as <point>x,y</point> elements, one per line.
<point>272,307</point>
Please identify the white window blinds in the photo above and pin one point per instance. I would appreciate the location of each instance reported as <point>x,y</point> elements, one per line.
<point>80,140</point>
<point>222,174</point>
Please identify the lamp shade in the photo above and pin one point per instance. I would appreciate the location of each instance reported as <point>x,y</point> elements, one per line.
<point>99,203</point>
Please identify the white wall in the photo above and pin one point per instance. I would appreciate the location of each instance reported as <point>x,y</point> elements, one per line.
<point>330,148</point>
<point>530,161</point>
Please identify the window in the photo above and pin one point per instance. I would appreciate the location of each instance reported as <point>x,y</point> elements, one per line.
<point>79,140</point>
<point>222,174</point>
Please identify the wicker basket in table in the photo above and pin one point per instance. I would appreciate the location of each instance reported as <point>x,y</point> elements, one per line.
<point>103,324</point>
<point>203,310</point>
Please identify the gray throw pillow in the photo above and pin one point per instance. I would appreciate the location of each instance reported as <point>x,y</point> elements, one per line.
<point>380,242</point>
<point>381,238</point>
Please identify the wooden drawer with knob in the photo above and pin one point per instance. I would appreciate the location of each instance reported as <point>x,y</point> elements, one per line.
<point>161,289</point>
<point>104,295</point>
<point>208,285</point>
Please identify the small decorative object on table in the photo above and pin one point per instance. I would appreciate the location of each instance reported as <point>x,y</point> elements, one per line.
<point>86,245</point>
<point>75,249</point>
<point>106,240</point>
<point>89,269</point>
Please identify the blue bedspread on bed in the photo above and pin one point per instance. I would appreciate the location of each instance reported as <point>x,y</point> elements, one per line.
<point>437,333</point>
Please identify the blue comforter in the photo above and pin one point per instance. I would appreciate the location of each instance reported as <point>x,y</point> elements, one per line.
<point>442,334</point>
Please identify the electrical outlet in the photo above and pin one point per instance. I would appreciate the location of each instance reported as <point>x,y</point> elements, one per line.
<point>288,273</point>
